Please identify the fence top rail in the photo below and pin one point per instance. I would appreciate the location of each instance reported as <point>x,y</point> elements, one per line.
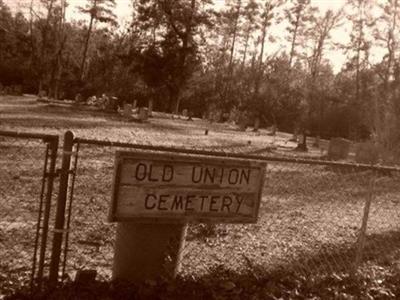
<point>267,158</point>
<point>29,135</point>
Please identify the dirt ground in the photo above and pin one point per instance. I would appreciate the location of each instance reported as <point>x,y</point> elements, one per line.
<point>309,219</point>
<point>26,114</point>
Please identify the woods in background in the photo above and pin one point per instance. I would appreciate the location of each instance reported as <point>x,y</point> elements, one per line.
<point>223,63</point>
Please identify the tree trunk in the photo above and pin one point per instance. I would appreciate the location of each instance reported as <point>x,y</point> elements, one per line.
<point>58,79</point>
<point>32,40</point>
<point>52,81</point>
<point>57,86</point>
<point>292,48</point>
<point>246,45</point>
<point>57,64</point>
<point>260,59</point>
<point>173,101</point>
<point>86,47</point>
<point>177,104</point>
<point>42,65</point>
<point>234,36</point>
<point>256,124</point>
<point>150,107</point>
<point>303,145</point>
<point>40,86</point>
<point>226,87</point>
<point>186,38</point>
<point>320,121</point>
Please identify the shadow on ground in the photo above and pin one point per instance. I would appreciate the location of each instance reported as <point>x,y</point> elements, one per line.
<point>223,284</point>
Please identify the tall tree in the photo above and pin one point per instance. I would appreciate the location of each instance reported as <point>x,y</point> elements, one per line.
<point>44,45</point>
<point>298,14</point>
<point>177,39</point>
<point>267,16</point>
<point>232,17</point>
<point>250,14</point>
<point>362,20</point>
<point>319,35</point>
<point>98,10</point>
<point>386,120</point>
<point>60,40</point>
<point>14,47</point>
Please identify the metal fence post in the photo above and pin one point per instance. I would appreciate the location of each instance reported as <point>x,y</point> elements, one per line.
<point>61,204</point>
<point>363,229</point>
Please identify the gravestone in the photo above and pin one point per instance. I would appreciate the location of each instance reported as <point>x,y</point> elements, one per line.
<point>367,153</point>
<point>190,116</point>
<point>16,90</point>
<point>256,124</point>
<point>143,113</point>
<point>185,112</point>
<point>92,100</point>
<point>338,148</point>
<point>113,104</point>
<point>243,122</point>
<point>127,110</point>
<point>78,98</point>
<point>42,94</point>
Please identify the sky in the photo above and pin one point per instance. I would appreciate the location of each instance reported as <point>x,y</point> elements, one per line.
<point>123,5</point>
<point>123,11</point>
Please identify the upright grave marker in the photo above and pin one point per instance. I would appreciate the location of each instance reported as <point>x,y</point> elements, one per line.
<point>338,148</point>
<point>155,195</point>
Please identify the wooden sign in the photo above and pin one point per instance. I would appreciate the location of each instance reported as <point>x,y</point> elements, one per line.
<point>160,187</point>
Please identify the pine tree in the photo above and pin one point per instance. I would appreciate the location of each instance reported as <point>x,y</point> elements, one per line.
<point>250,14</point>
<point>387,107</point>
<point>298,16</point>
<point>358,50</point>
<point>266,18</point>
<point>318,35</point>
<point>101,11</point>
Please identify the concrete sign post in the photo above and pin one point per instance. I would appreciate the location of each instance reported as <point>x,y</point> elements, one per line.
<point>155,195</point>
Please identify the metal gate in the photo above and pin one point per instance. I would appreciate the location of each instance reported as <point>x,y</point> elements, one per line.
<point>27,177</point>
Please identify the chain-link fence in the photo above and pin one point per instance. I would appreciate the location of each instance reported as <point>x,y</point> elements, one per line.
<point>382,241</point>
<point>27,171</point>
<point>315,217</point>
<point>310,222</point>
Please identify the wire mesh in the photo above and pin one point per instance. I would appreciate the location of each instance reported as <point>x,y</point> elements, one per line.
<point>382,240</point>
<point>309,221</point>
<point>24,175</point>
